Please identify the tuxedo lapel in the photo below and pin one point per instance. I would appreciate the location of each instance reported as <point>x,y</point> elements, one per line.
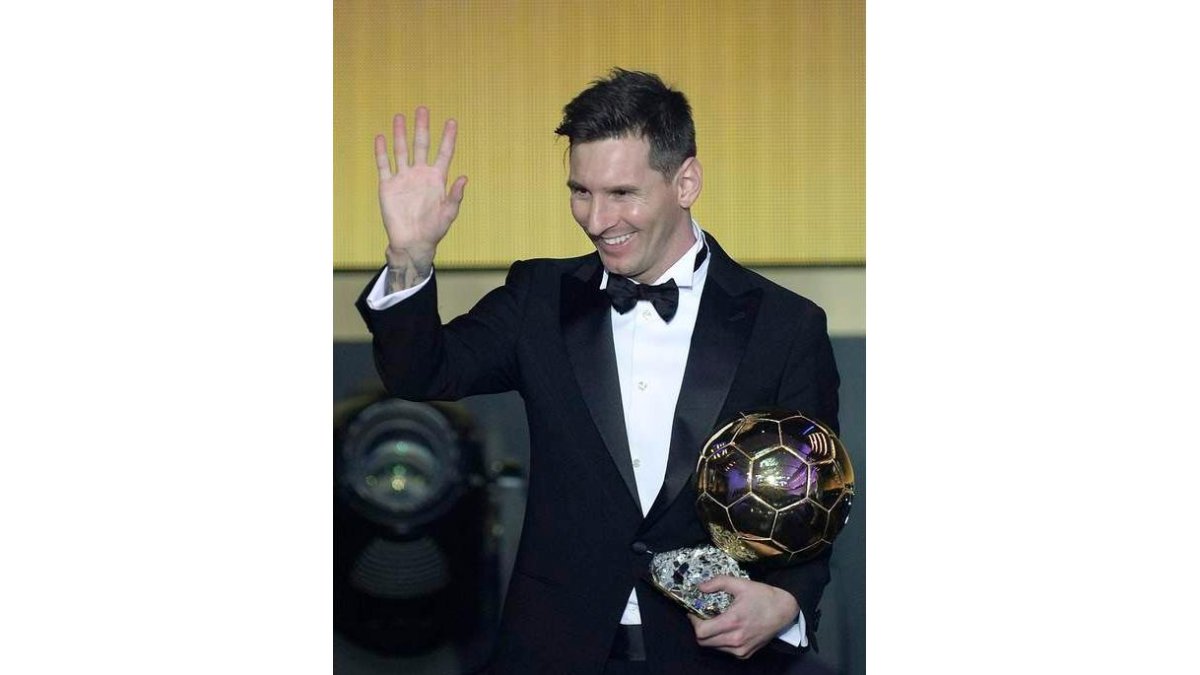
<point>587,331</point>
<point>728,308</point>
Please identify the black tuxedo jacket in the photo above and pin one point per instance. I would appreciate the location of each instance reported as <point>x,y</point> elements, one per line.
<point>547,334</point>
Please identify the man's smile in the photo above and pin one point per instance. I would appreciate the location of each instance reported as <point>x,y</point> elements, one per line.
<point>615,242</point>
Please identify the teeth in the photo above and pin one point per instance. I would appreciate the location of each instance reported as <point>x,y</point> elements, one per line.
<point>616,240</point>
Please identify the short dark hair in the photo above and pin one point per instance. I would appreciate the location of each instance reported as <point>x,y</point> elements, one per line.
<point>630,102</point>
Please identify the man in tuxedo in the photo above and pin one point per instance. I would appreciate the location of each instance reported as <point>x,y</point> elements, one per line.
<point>626,358</point>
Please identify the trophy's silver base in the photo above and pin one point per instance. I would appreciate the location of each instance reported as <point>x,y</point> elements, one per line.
<point>678,574</point>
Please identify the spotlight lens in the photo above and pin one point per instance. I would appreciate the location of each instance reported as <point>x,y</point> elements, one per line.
<point>398,475</point>
<point>399,464</point>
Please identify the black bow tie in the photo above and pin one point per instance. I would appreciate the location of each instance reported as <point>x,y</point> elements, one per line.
<point>624,294</point>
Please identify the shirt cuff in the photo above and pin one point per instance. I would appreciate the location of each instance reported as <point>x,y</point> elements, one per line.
<point>379,299</point>
<point>795,635</point>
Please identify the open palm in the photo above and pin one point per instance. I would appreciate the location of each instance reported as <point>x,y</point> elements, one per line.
<point>417,209</point>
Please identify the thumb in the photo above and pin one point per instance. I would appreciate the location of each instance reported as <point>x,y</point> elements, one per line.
<point>458,190</point>
<point>722,582</point>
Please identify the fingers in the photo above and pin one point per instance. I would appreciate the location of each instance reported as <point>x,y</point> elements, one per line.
<point>723,633</point>
<point>381,158</point>
<point>420,148</point>
<point>703,628</point>
<point>446,149</point>
<point>757,614</point>
<point>722,583</point>
<point>421,137</point>
<point>400,142</point>
<point>706,629</point>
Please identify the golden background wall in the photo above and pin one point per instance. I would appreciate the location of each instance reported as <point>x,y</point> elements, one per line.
<point>777,92</point>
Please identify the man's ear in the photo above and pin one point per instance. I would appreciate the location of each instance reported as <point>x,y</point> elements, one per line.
<point>688,181</point>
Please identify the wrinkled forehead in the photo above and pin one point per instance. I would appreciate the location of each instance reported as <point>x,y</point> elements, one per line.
<point>621,159</point>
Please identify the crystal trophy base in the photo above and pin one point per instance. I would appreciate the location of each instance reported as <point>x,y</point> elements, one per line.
<point>679,573</point>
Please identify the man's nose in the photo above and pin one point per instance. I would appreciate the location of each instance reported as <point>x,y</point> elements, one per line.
<point>600,217</point>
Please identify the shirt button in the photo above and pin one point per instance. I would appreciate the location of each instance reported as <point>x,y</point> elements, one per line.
<point>642,385</point>
<point>637,463</point>
<point>645,314</point>
<point>639,548</point>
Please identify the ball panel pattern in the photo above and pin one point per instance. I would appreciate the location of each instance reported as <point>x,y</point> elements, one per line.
<point>774,485</point>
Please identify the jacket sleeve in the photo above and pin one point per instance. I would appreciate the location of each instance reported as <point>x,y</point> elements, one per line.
<point>420,359</point>
<point>810,381</point>
<point>810,385</point>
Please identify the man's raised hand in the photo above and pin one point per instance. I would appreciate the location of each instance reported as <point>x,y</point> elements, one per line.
<point>416,207</point>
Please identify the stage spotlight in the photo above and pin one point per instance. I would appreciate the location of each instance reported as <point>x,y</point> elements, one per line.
<point>413,569</point>
<point>402,464</point>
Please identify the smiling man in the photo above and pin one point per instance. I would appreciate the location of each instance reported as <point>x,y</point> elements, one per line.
<point>636,216</point>
<point>626,360</point>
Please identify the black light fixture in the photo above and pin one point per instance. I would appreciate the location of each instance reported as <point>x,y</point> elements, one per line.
<point>413,569</point>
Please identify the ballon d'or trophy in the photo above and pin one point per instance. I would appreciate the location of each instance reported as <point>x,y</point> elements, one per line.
<point>775,488</point>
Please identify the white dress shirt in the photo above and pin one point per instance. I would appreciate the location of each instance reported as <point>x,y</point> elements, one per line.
<point>651,357</point>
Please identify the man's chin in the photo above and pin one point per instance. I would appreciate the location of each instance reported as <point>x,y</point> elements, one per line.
<point>611,263</point>
<point>625,265</point>
<point>617,268</point>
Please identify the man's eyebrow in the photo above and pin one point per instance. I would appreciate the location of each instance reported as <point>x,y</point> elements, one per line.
<point>574,185</point>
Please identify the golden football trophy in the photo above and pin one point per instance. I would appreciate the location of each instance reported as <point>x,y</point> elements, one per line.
<point>775,489</point>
